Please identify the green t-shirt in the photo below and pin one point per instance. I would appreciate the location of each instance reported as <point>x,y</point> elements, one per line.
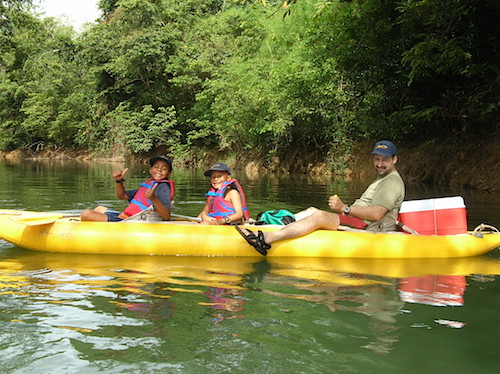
<point>389,192</point>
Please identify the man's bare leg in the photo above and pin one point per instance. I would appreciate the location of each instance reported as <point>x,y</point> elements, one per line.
<point>305,213</point>
<point>319,219</point>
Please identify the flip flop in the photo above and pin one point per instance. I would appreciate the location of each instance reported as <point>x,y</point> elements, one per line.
<point>256,241</point>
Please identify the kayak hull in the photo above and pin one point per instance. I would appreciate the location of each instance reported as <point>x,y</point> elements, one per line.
<point>53,233</point>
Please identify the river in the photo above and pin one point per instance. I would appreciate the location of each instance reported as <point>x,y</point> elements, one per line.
<point>70,313</point>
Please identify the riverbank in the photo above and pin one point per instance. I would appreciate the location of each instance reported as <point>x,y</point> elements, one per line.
<point>469,163</point>
<point>474,163</point>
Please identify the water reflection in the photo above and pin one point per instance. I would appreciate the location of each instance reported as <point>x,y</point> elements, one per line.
<point>225,302</point>
<point>435,290</point>
<point>379,288</point>
<point>376,299</point>
<point>139,296</point>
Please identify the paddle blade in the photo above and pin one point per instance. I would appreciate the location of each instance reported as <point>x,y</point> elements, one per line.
<point>39,220</point>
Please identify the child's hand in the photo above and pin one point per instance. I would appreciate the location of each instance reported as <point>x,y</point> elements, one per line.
<point>120,174</point>
<point>209,221</point>
<point>151,192</point>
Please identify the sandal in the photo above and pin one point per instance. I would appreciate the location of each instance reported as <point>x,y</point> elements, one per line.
<point>256,241</point>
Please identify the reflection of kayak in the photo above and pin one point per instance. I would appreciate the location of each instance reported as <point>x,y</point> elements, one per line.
<point>209,269</point>
<point>52,232</point>
<point>233,272</point>
<point>366,271</point>
<point>103,269</point>
<point>387,267</point>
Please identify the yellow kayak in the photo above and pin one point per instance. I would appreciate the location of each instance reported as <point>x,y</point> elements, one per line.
<point>53,232</point>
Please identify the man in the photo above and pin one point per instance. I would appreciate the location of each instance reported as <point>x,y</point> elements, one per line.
<point>376,210</point>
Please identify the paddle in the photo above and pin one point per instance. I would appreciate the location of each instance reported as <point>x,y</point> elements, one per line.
<point>46,220</point>
<point>187,218</point>
<point>41,220</point>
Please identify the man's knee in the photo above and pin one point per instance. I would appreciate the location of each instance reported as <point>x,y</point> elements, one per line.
<point>306,213</point>
<point>321,214</point>
<point>312,210</point>
<point>326,219</point>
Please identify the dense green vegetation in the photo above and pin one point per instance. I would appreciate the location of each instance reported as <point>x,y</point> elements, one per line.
<point>270,78</point>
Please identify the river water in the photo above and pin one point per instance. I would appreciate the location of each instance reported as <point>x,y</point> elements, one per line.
<point>69,313</point>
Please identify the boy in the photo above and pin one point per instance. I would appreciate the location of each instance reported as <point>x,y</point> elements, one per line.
<point>157,191</point>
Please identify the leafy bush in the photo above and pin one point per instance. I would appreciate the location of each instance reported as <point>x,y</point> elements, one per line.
<point>274,78</point>
<point>143,131</point>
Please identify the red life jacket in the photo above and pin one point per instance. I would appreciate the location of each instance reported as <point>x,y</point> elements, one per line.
<point>140,202</point>
<point>218,207</point>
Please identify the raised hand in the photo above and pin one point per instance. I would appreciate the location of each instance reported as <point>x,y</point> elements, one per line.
<point>120,174</point>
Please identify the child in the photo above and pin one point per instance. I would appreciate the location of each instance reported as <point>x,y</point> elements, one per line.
<point>157,191</point>
<point>225,200</point>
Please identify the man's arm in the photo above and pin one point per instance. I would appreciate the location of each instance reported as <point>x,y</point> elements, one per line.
<point>370,213</point>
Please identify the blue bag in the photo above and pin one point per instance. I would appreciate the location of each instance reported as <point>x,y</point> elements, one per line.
<point>275,217</point>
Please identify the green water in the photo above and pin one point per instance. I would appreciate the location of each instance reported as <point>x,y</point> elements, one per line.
<point>66,313</point>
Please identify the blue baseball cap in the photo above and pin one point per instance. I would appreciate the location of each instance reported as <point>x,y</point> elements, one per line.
<point>152,160</point>
<point>218,166</point>
<point>384,148</point>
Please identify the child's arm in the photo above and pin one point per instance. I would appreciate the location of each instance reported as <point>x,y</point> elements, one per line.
<point>205,218</point>
<point>234,197</point>
<point>119,176</point>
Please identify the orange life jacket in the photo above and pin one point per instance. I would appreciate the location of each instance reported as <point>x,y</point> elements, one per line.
<point>140,202</point>
<point>218,207</point>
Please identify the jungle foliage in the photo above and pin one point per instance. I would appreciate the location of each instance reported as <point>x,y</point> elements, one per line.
<point>271,77</point>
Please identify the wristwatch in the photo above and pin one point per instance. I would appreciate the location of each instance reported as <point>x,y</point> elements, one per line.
<point>228,221</point>
<point>346,210</point>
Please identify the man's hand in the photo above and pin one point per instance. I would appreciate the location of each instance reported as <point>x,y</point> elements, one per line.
<point>335,203</point>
